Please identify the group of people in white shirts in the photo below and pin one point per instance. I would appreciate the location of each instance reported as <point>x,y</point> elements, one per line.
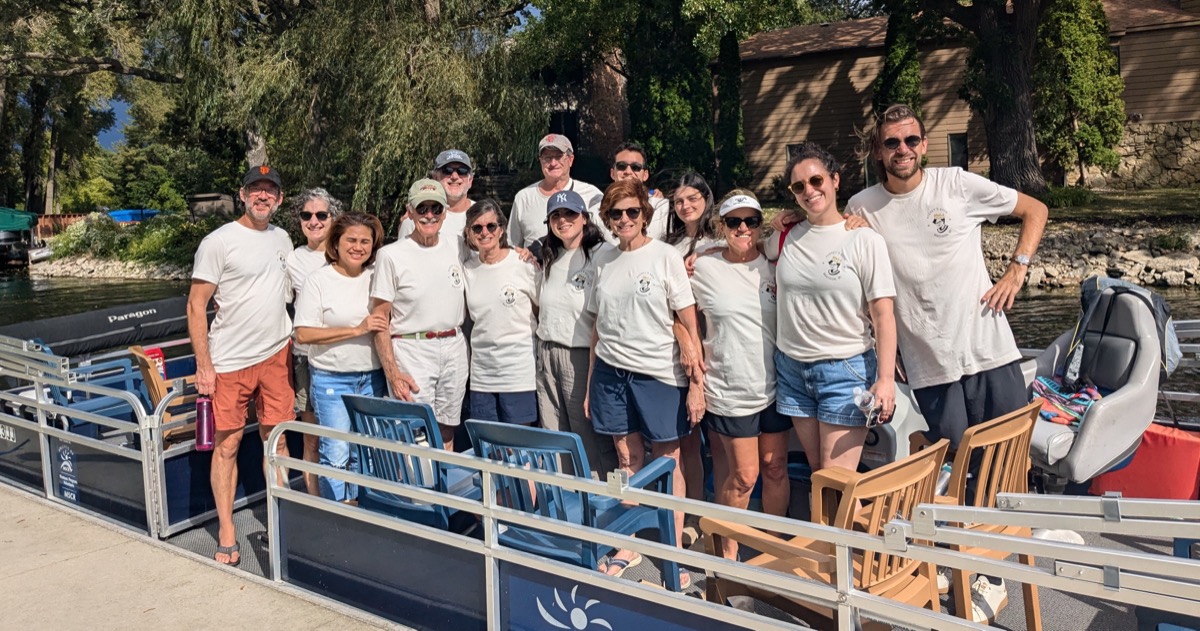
<point>632,318</point>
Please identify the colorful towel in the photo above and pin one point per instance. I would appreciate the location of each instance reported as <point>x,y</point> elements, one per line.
<point>1059,406</point>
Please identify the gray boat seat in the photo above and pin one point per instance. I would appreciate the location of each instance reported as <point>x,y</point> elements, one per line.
<point>1123,356</point>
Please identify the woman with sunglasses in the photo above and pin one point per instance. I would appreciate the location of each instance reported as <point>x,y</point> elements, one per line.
<point>316,210</point>
<point>333,317</point>
<point>419,287</point>
<point>502,297</point>
<point>835,290</point>
<point>735,294</point>
<point>637,388</point>
<point>565,327</point>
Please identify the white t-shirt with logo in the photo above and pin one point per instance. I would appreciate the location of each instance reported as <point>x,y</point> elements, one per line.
<point>453,225</point>
<point>424,284</point>
<point>501,298</point>
<point>635,297</point>
<point>527,219</point>
<point>301,262</point>
<point>563,317</point>
<point>934,237</point>
<point>737,301</point>
<point>331,300</point>
<point>249,268</point>
<point>827,277</point>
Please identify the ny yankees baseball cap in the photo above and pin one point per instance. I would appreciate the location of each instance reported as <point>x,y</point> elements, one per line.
<point>262,172</point>
<point>565,200</point>
<point>452,155</point>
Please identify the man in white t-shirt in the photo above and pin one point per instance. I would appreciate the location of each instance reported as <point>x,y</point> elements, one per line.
<point>629,163</point>
<point>315,210</point>
<point>244,356</point>
<point>527,219</point>
<point>958,350</point>
<point>454,170</point>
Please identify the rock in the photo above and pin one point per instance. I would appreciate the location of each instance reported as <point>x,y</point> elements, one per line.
<point>1176,261</point>
<point>1173,279</point>
<point>1139,256</point>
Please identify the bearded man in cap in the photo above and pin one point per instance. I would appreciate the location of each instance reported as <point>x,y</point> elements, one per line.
<point>244,356</point>
<point>454,170</point>
<point>527,219</point>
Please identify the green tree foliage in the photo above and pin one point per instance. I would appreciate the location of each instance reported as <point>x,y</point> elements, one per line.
<point>899,80</point>
<point>1078,106</point>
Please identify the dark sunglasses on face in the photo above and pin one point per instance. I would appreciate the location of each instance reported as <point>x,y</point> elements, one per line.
<point>563,213</point>
<point>892,144</point>
<point>636,167</point>
<point>462,171</point>
<point>480,227</point>
<point>614,214</point>
<point>752,222</point>
<point>321,216</point>
<point>797,187</point>
<point>436,211</point>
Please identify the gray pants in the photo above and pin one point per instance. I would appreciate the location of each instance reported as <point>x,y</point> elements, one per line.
<point>561,388</point>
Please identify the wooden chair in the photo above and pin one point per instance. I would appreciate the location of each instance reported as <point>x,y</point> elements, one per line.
<point>1001,449</point>
<point>157,389</point>
<point>867,502</point>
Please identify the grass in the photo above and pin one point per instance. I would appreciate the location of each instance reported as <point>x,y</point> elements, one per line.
<point>1160,207</point>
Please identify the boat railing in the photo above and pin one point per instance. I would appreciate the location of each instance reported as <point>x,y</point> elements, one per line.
<point>292,512</point>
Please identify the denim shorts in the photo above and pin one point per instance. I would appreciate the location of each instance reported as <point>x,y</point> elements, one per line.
<point>824,389</point>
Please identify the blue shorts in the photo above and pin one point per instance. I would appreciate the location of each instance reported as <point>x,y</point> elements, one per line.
<point>824,389</point>
<point>623,402</point>
<point>505,407</point>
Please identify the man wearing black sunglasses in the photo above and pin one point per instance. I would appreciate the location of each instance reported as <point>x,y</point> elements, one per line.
<point>453,169</point>
<point>629,163</point>
<point>527,219</point>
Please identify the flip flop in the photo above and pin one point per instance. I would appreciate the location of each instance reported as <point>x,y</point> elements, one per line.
<point>230,551</point>
<point>622,565</point>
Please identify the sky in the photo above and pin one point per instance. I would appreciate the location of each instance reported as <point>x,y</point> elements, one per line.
<point>115,134</point>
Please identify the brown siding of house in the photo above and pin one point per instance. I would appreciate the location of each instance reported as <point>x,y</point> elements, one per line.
<point>826,98</point>
<point>1161,69</point>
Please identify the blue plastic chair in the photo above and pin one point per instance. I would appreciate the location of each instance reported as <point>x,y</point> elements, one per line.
<point>406,423</point>
<point>548,450</point>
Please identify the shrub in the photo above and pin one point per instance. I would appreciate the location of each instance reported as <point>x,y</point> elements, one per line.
<point>97,235</point>
<point>1173,240</point>
<point>1069,197</point>
<point>170,238</point>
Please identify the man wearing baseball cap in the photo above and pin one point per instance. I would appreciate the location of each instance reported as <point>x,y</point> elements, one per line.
<point>454,170</point>
<point>244,357</point>
<point>527,220</point>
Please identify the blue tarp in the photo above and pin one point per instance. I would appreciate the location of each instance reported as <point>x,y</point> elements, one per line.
<point>131,214</point>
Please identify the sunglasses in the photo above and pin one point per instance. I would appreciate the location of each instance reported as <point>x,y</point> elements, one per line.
<point>480,227</point>
<point>614,214</point>
<point>797,187</point>
<point>892,144</point>
<point>462,171</point>
<point>321,216</point>
<point>636,167</point>
<point>436,211</point>
<point>751,222</point>
<point>563,213</point>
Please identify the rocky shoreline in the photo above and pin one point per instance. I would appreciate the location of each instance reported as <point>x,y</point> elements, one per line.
<point>90,267</point>
<point>1069,253</point>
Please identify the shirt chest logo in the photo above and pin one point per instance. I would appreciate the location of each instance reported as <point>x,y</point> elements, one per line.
<point>578,282</point>
<point>834,264</point>
<point>456,278</point>
<point>644,281</point>
<point>768,289</point>
<point>508,295</point>
<point>938,221</point>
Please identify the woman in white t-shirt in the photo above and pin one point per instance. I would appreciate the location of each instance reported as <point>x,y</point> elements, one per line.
<point>835,289</point>
<point>334,318</point>
<point>565,327</point>
<point>638,390</point>
<point>502,297</point>
<point>692,226</point>
<point>735,295</point>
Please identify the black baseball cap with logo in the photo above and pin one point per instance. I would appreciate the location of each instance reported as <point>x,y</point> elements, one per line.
<point>262,172</point>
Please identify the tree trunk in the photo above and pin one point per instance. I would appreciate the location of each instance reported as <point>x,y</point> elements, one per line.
<point>51,171</point>
<point>729,140</point>
<point>1007,42</point>
<point>34,144</point>
<point>1083,181</point>
<point>5,145</point>
<point>256,148</point>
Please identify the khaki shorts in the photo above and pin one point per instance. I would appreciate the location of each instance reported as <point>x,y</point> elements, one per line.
<point>303,381</point>
<point>268,383</point>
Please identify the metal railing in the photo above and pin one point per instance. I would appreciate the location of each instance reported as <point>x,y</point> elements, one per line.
<point>842,596</point>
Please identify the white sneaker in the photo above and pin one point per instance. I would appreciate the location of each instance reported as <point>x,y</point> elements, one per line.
<point>1061,536</point>
<point>943,583</point>
<point>987,599</point>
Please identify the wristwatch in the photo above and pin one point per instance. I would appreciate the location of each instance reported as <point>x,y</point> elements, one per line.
<point>1021,259</point>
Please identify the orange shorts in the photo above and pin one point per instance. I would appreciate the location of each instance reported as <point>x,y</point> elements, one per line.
<point>268,382</point>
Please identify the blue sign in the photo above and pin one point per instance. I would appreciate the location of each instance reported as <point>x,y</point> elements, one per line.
<point>64,466</point>
<point>532,600</point>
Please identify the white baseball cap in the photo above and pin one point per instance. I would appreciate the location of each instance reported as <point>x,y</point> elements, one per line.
<point>739,201</point>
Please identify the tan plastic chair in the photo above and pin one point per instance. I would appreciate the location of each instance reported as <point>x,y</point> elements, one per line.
<point>886,493</point>
<point>1002,445</point>
<point>156,389</point>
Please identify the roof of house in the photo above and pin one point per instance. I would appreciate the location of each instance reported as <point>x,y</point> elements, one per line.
<point>1123,16</point>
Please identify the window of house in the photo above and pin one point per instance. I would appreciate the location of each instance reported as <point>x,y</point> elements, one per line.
<point>1116,51</point>
<point>958,151</point>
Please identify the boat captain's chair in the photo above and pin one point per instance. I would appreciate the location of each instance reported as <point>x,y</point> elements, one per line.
<point>1121,351</point>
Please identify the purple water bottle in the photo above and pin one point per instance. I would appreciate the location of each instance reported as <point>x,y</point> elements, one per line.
<point>205,425</point>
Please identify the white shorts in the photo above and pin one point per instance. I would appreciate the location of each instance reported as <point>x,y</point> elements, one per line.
<point>440,367</point>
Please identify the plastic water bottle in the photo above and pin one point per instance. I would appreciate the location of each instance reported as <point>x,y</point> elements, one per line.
<point>205,424</point>
<point>864,400</point>
<point>943,481</point>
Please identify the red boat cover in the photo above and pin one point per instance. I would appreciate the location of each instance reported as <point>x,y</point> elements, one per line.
<point>1166,466</point>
